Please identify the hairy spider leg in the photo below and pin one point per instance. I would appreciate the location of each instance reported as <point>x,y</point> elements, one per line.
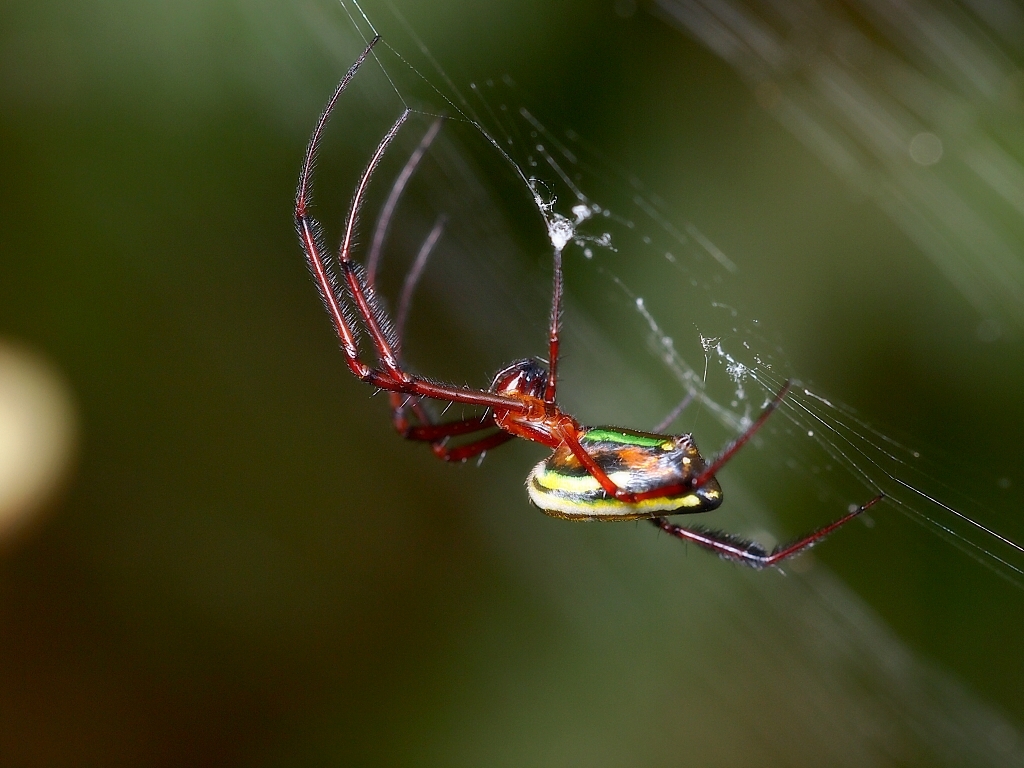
<point>426,430</point>
<point>437,435</point>
<point>750,553</point>
<point>389,376</point>
<point>728,546</point>
<point>518,414</point>
<point>554,328</point>
<point>380,232</point>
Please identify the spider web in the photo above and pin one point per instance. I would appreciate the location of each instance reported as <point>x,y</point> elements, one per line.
<point>609,227</point>
<point>654,318</point>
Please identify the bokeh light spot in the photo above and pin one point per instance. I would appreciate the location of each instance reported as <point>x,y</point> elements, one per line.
<point>926,149</point>
<point>37,427</point>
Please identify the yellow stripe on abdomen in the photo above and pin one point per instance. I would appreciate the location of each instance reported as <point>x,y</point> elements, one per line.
<point>580,497</point>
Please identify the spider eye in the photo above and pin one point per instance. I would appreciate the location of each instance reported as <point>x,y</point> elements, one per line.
<point>523,377</point>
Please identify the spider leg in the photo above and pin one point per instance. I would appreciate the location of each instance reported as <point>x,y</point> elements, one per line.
<point>571,441</point>
<point>469,450</point>
<point>409,287</point>
<point>674,413</point>
<point>730,450</point>
<point>437,434</point>
<point>380,232</point>
<point>390,376</point>
<point>359,291</point>
<point>398,404</point>
<point>554,328</point>
<point>746,552</point>
<point>426,430</point>
<point>725,545</point>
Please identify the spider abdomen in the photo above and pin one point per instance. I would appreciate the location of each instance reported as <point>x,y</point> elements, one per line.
<point>637,462</point>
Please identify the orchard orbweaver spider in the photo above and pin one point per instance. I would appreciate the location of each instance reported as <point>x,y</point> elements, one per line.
<point>602,473</point>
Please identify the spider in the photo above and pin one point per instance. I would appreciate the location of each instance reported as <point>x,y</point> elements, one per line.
<point>593,473</point>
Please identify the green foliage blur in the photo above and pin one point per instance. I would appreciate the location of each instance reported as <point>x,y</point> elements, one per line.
<point>248,567</point>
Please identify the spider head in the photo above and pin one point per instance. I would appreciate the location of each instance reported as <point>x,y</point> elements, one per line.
<point>523,377</point>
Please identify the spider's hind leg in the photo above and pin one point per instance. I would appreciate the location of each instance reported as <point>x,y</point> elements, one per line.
<point>665,423</point>
<point>740,550</point>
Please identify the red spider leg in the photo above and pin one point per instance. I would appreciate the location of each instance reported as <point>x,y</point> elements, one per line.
<point>568,433</point>
<point>429,432</point>
<point>553,329</point>
<point>306,175</point>
<point>361,295</point>
<point>425,431</point>
<point>469,450</point>
<point>740,441</point>
<point>399,402</point>
<point>751,553</point>
<point>392,378</point>
<point>725,545</point>
<point>380,232</point>
<point>674,413</point>
<point>415,272</point>
<point>436,434</point>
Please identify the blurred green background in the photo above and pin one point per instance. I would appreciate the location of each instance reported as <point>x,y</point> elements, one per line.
<point>245,566</point>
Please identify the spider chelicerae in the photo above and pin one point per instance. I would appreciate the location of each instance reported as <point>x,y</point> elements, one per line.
<point>594,473</point>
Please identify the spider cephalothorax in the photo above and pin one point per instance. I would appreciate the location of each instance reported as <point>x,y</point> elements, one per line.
<point>604,473</point>
<point>524,377</point>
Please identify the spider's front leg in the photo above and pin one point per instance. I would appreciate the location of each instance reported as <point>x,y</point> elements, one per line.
<point>426,429</point>
<point>389,375</point>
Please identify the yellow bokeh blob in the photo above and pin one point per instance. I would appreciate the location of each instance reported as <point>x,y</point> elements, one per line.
<point>37,435</point>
